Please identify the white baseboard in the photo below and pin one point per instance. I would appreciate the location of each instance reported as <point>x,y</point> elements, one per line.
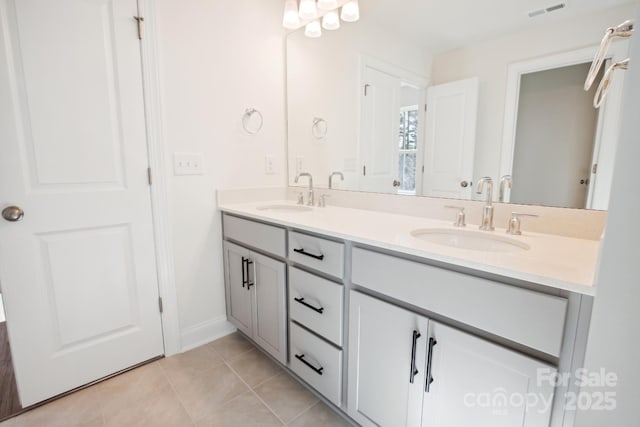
<point>205,332</point>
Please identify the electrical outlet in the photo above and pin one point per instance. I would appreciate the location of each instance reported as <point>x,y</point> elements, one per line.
<point>299,164</point>
<point>268,165</point>
<point>188,164</point>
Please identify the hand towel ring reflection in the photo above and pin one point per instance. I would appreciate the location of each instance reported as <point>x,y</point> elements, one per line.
<point>603,87</point>
<point>623,30</point>
<point>246,121</point>
<point>319,128</point>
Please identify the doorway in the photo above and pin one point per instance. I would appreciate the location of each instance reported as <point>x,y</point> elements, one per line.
<point>555,170</point>
<point>9,400</point>
<point>77,244</point>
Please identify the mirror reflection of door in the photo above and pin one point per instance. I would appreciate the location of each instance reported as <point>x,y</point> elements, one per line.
<point>555,139</point>
<point>452,110</point>
<point>389,131</point>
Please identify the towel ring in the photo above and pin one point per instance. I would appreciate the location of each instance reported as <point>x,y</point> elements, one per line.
<point>605,84</point>
<point>623,30</point>
<point>246,118</point>
<point>319,128</point>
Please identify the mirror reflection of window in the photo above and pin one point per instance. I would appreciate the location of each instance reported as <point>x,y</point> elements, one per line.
<point>408,149</point>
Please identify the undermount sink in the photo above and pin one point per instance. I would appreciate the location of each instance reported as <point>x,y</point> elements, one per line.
<point>466,239</point>
<point>285,208</point>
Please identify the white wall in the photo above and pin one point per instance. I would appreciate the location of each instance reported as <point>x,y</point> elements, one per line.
<point>490,61</point>
<point>324,81</point>
<point>614,336</point>
<point>217,59</point>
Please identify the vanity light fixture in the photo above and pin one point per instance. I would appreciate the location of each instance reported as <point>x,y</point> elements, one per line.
<point>313,29</point>
<point>350,11</point>
<point>331,21</point>
<point>308,9</point>
<point>315,15</point>
<point>327,4</point>
<point>291,19</point>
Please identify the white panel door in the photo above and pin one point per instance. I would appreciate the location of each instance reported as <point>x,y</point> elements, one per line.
<point>78,272</point>
<point>270,316</point>
<point>384,388</point>
<point>478,383</point>
<point>238,291</point>
<point>452,110</point>
<point>379,134</point>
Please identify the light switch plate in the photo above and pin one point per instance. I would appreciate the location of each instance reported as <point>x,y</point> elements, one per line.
<point>268,165</point>
<point>188,164</point>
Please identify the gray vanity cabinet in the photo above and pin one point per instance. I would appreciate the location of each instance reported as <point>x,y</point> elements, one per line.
<point>407,370</point>
<point>256,297</point>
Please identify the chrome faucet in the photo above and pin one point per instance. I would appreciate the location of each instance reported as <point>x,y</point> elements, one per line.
<point>487,211</point>
<point>310,200</point>
<point>505,181</point>
<point>331,178</point>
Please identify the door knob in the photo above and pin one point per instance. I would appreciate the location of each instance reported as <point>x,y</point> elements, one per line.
<point>12,213</point>
<point>464,184</point>
<point>396,183</point>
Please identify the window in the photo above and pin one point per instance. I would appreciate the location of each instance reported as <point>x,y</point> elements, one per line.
<point>408,149</point>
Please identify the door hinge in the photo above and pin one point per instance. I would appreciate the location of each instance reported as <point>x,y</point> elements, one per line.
<point>149,178</point>
<point>425,108</point>
<point>364,170</point>
<point>139,20</point>
<point>366,86</point>
<point>423,169</point>
<point>160,307</point>
<point>594,168</point>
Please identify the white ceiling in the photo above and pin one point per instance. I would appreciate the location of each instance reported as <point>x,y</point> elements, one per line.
<point>442,25</point>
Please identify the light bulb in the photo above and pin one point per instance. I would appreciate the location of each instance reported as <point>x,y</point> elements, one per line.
<point>291,20</point>
<point>331,20</point>
<point>327,4</point>
<point>313,29</point>
<point>308,9</point>
<point>350,11</point>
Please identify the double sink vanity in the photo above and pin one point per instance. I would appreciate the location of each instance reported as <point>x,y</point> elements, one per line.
<point>405,320</point>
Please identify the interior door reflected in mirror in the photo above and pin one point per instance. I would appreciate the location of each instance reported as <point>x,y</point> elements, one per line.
<point>414,108</point>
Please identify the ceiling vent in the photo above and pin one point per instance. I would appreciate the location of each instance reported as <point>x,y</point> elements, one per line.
<point>553,8</point>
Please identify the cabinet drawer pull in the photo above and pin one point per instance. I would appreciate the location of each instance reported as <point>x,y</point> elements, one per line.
<point>306,304</point>
<point>302,251</point>
<point>414,345</point>
<point>301,358</point>
<point>432,343</point>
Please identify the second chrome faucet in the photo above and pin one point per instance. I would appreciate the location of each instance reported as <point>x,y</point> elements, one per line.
<point>487,211</point>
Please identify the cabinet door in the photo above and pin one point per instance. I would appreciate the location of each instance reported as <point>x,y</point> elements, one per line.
<point>385,387</point>
<point>238,293</point>
<point>478,383</point>
<point>269,305</point>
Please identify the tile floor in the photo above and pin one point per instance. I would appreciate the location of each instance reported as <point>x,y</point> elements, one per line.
<point>222,384</point>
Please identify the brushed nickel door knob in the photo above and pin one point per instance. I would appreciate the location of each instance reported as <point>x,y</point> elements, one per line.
<point>12,213</point>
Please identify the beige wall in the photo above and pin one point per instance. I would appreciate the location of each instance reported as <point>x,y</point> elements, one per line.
<point>217,58</point>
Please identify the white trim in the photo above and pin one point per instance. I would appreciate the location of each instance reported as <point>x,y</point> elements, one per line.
<point>205,332</point>
<point>159,189</point>
<point>558,60</point>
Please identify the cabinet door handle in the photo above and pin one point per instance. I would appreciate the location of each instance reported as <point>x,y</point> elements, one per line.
<point>432,343</point>
<point>244,273</point>
<point>414,345</point>
<point>306,304</point>
<point>249,282</point>
<point>301,358</point>
<point>302,251</point>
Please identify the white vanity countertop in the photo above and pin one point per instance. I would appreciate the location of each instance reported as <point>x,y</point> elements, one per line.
<point>555,261</point>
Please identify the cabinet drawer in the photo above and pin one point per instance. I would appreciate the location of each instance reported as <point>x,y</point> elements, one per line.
<point>521,315</point>
<point>320,254</point>
<point>260,236</point>
<point>316,303</point>
<point>316,362</point>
